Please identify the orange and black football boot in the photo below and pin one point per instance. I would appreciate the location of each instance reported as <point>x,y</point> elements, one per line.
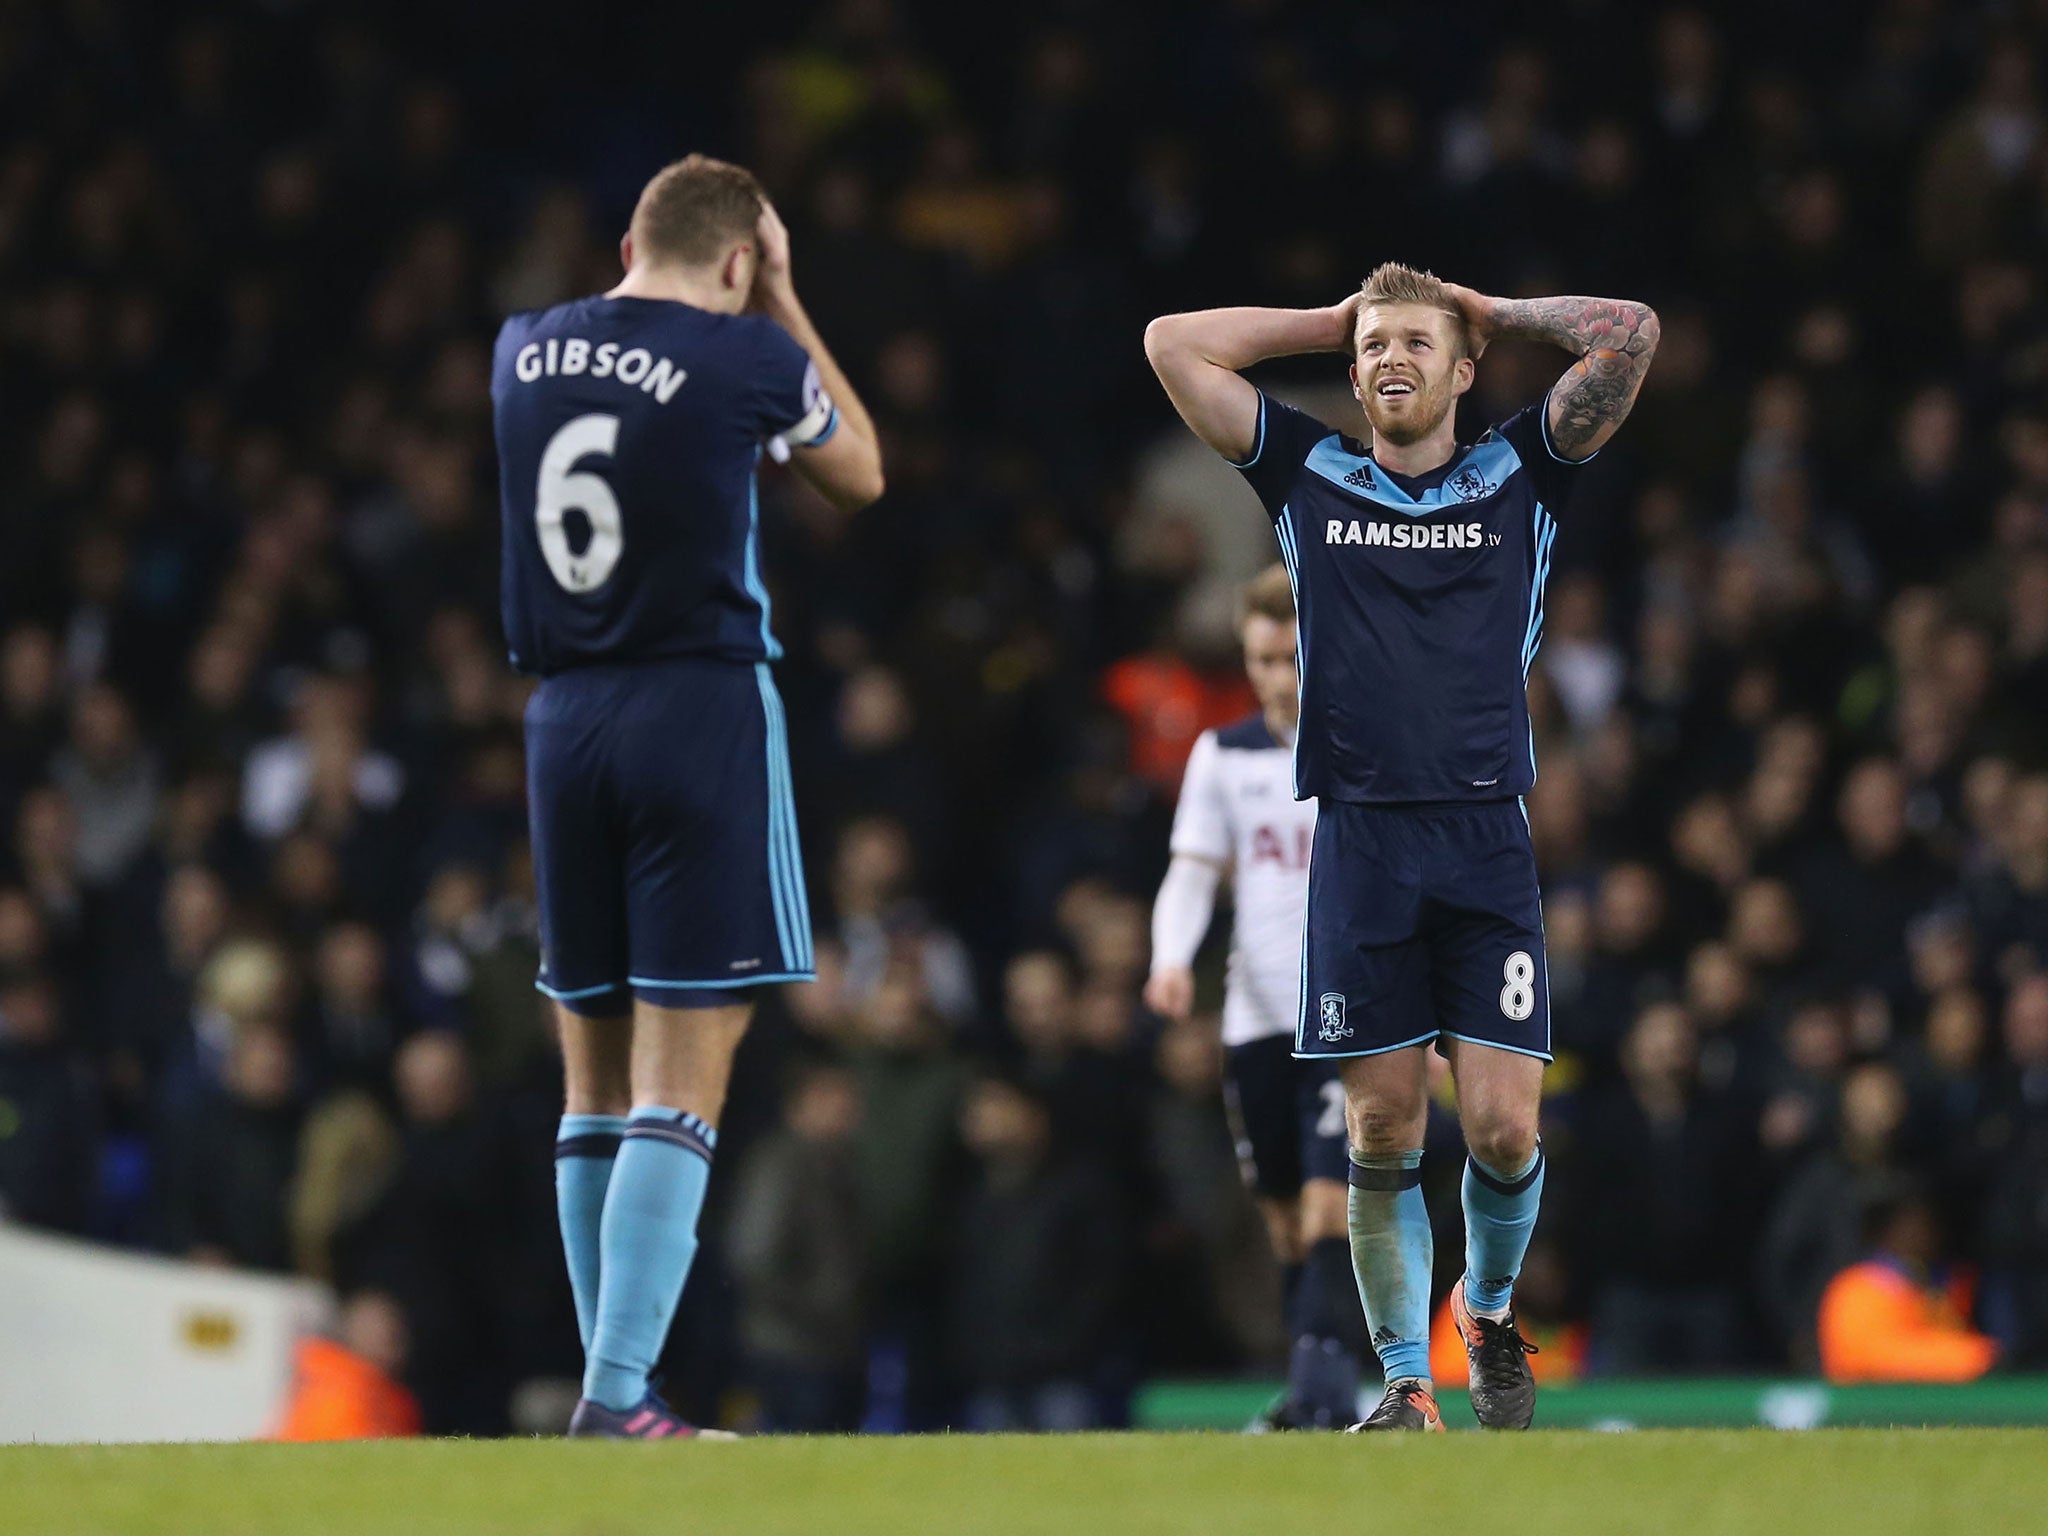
<point>1407,1405</point>
<point>1503,1386</point>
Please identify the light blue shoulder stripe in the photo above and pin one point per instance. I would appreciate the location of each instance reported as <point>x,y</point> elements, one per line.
<point>1492,460</point>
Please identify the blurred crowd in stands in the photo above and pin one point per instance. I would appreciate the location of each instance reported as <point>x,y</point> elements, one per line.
<point>266,923</point>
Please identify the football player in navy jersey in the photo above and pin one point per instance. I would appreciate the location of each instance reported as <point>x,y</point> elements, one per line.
<point>630,426</point>
<point>1418,565</point>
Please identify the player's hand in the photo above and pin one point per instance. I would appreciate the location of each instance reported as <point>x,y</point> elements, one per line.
<point>1477,309</point>
<point>773,283</point>
<point>1170,992</point>
<point>1346,313</point>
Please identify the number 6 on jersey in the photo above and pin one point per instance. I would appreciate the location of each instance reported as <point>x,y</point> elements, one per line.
<point>563,489</point>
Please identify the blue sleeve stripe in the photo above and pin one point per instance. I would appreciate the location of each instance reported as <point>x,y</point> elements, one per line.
<point>1545,531</point>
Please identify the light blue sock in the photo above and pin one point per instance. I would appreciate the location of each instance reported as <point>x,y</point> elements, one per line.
<point>1500,1213</point>
<point>584,1149</point>
<point>1391,1254</point>
<point>645,1243</point>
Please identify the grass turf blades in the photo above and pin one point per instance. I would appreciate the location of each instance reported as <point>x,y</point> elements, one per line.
<point>1701,1482</point>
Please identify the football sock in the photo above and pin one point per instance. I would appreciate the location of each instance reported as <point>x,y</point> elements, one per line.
<point>585,1146</point>
<point>1329,1335</point>
<point>1392,1254</point>
<point>1500,1213</point>
<point>645,1244</point>
<point>1326,1303</point>
<point>1290,1291</point>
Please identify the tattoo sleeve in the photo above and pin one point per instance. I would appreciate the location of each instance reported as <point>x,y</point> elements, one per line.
<point>1614,338</point>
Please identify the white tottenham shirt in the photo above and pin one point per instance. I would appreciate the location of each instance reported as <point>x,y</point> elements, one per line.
<point>1237,808</point>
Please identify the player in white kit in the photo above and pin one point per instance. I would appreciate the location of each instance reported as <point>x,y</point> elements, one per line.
<point>1238,818</point>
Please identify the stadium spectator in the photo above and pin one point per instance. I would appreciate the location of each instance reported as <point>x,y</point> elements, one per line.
<point>1899,1315</point>
<point>1038,1271</point>
<point>2014,1141</point>
<point>46,1109</point>
<point>352,1387</point>
<point>796,1254</point>
<point>1816,1229</point>
<point>235,1155</point>
<point>1662,1163</point>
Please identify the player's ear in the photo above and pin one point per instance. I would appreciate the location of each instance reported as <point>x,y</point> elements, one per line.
<point>626,250</point>
<point>734,273</point>
<point>1463,372</point>
<point>1357,390</point>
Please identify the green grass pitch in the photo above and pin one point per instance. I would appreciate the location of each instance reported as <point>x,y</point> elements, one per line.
<point>1970,1482</point>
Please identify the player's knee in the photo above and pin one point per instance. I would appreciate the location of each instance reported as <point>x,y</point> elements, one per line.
<point>1380,1126</point>
<point>1503,1140</point>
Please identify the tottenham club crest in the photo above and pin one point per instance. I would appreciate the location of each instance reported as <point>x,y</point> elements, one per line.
<point>1334,1028</point>
<point>1470,485</point>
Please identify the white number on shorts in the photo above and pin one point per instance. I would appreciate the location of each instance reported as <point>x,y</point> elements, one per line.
<point>1518,997</point>
<point>564,489</point>
<point>1330,1122</point>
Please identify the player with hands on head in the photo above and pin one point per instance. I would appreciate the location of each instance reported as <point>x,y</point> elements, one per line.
<point>630,427</point>
<point>1419,565</point>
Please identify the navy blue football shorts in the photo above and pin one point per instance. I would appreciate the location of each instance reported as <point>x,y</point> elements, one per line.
<point>664,836</point>
<point>1424,923</point>
<point>1287,1116</point>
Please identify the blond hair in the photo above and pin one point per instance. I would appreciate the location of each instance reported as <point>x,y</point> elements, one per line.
<point>1268,595</point>
<point>694,208</point>
<point>1392,283</point>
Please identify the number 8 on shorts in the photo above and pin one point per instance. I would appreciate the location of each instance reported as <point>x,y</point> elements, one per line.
<point>1518,997</point>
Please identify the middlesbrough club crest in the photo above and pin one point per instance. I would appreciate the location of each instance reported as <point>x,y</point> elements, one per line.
<point>1334,1027</point>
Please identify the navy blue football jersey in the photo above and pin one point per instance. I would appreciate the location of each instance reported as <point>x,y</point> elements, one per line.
<point>628,434</point>
<point>1421,605</point>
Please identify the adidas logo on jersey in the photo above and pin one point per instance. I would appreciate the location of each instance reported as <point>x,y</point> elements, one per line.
<point>1361,477</point>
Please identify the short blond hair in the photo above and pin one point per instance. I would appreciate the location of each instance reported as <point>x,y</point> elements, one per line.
<point>1268,595</point>
<point>694,208</point>
<point>1392,283</point>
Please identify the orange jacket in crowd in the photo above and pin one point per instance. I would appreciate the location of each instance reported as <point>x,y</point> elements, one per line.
<point>1877,1323</point>
<point>1165,705</point>
<point>1561,1350</point>
<point>337,1395</point>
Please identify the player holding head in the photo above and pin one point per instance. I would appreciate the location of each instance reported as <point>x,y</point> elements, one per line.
<point>1418,565</point>
<point>629,428</point>
<point>1238,818</point>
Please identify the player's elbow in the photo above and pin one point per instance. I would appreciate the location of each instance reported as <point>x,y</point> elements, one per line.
<point>1162,340</point>
<point>1649,330</point>
<point>863,484</point>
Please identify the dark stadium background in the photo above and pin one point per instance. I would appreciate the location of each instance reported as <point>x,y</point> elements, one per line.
<point>266,930</point>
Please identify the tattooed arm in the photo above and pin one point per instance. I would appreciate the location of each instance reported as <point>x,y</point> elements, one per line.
<point>1614,339</point>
